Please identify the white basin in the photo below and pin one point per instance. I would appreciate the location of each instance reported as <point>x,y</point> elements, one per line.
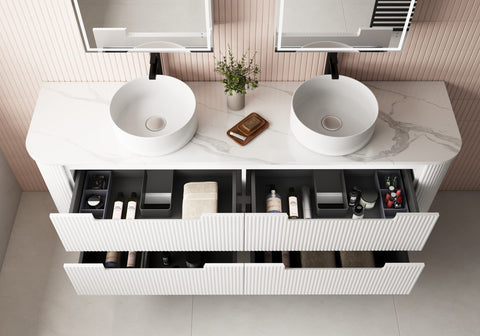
<point>333,117</point>
<point>154,117</point>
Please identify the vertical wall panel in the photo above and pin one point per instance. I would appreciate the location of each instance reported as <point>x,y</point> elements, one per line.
<point>41,42</point>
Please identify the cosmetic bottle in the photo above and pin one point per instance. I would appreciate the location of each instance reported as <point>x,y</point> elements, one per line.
<point>166,259</point>
<point>292,204</point>
<point>274,201</point>
<point>113,258</point>
<point>354,196</point>
<point>131,211</point>
<point>307,212</point>
<point>357,212</point>
<point>286,258</point>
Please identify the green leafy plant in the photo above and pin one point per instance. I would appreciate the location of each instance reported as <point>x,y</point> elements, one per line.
<point>239,74</point>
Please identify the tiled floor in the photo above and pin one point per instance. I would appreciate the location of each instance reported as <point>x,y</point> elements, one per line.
<point>36,297</point>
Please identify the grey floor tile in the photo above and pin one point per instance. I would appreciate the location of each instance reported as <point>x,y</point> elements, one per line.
<point>26,268</point>
<point>294,315</point>
<point>37,298</point>
<point>446,298</point>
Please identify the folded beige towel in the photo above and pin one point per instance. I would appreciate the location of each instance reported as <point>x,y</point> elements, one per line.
<point>199,198</point>
<point>357,259</point>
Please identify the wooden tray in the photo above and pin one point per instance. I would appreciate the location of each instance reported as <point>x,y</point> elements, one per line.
<point>248,128</point>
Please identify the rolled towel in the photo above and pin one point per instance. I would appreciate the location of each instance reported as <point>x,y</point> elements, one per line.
<point>199,198</point>
<point>357,259</point>
<point>320,259</point>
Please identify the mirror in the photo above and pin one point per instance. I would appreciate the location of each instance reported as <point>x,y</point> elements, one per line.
<point>145,25</point>
<point>342,25</point>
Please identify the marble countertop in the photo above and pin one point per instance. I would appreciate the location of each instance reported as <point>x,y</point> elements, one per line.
<point>70,127</point>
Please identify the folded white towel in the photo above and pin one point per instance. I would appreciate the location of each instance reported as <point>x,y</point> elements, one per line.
<point>199,198</point>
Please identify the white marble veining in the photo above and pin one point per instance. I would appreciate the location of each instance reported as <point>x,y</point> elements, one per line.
<point>416,126</point>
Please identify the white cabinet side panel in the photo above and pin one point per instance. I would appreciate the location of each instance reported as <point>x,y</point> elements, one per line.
<point>275,279</point>
<point>212,279</point>
<point>212,232</point>
<point>428,184</point>
<point>59,184</point>
<point>275,232</point>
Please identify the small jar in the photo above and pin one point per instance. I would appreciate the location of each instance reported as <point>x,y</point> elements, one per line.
<point>368,199</point>
<point>95,202</point>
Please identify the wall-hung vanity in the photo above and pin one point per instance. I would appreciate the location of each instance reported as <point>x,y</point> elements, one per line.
<point>72,138</point>
<point>415,135</point>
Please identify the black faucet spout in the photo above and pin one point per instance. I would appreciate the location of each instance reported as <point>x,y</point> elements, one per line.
<point>155,66</point>
<point>331,66</point>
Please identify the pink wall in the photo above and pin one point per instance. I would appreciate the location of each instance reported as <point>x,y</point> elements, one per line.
<point>40,42</point>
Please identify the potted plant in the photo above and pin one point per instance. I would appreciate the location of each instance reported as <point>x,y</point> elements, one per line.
<point>239,76</point>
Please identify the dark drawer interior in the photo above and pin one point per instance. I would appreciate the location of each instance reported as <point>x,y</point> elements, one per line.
<point>330,258</point>
<point>156,259</point>
<point>129,181</point>
<point>259,182</point>
<point>198,259</point>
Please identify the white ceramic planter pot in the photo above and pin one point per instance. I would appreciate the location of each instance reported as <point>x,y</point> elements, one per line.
<point>236,101</point>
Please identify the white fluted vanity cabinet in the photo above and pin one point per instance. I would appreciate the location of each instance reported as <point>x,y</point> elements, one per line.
<point>416,133</point>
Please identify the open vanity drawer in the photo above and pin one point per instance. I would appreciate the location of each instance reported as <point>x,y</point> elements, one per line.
<point>220,274</point>
<point>223,273</point>
<point>406,231</point>
<point>392,275</point>
<point>222,231</point>
<point>229,230</point>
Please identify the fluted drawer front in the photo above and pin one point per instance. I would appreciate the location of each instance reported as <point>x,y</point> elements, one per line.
<point>212,232</point>
<point>275,279</point>
<point>275,232</point>
<point>94,279</point>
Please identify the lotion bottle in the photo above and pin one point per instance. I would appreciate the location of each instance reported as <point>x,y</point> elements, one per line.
<point>113,258</point>
<point>274,201</point>
<point>131,211</point>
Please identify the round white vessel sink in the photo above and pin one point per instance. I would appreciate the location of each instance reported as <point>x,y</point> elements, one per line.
<point>154,117</point>
<point>333,117</point>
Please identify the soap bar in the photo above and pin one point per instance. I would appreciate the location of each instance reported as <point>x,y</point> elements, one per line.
<point>199,198</point>
<point>250,124</point>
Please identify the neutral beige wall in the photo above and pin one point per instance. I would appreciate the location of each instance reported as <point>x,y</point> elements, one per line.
<point>40,42</point>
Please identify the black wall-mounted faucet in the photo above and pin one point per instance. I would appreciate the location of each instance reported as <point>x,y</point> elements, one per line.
<point>155,66</point>
<point>331,66</point>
